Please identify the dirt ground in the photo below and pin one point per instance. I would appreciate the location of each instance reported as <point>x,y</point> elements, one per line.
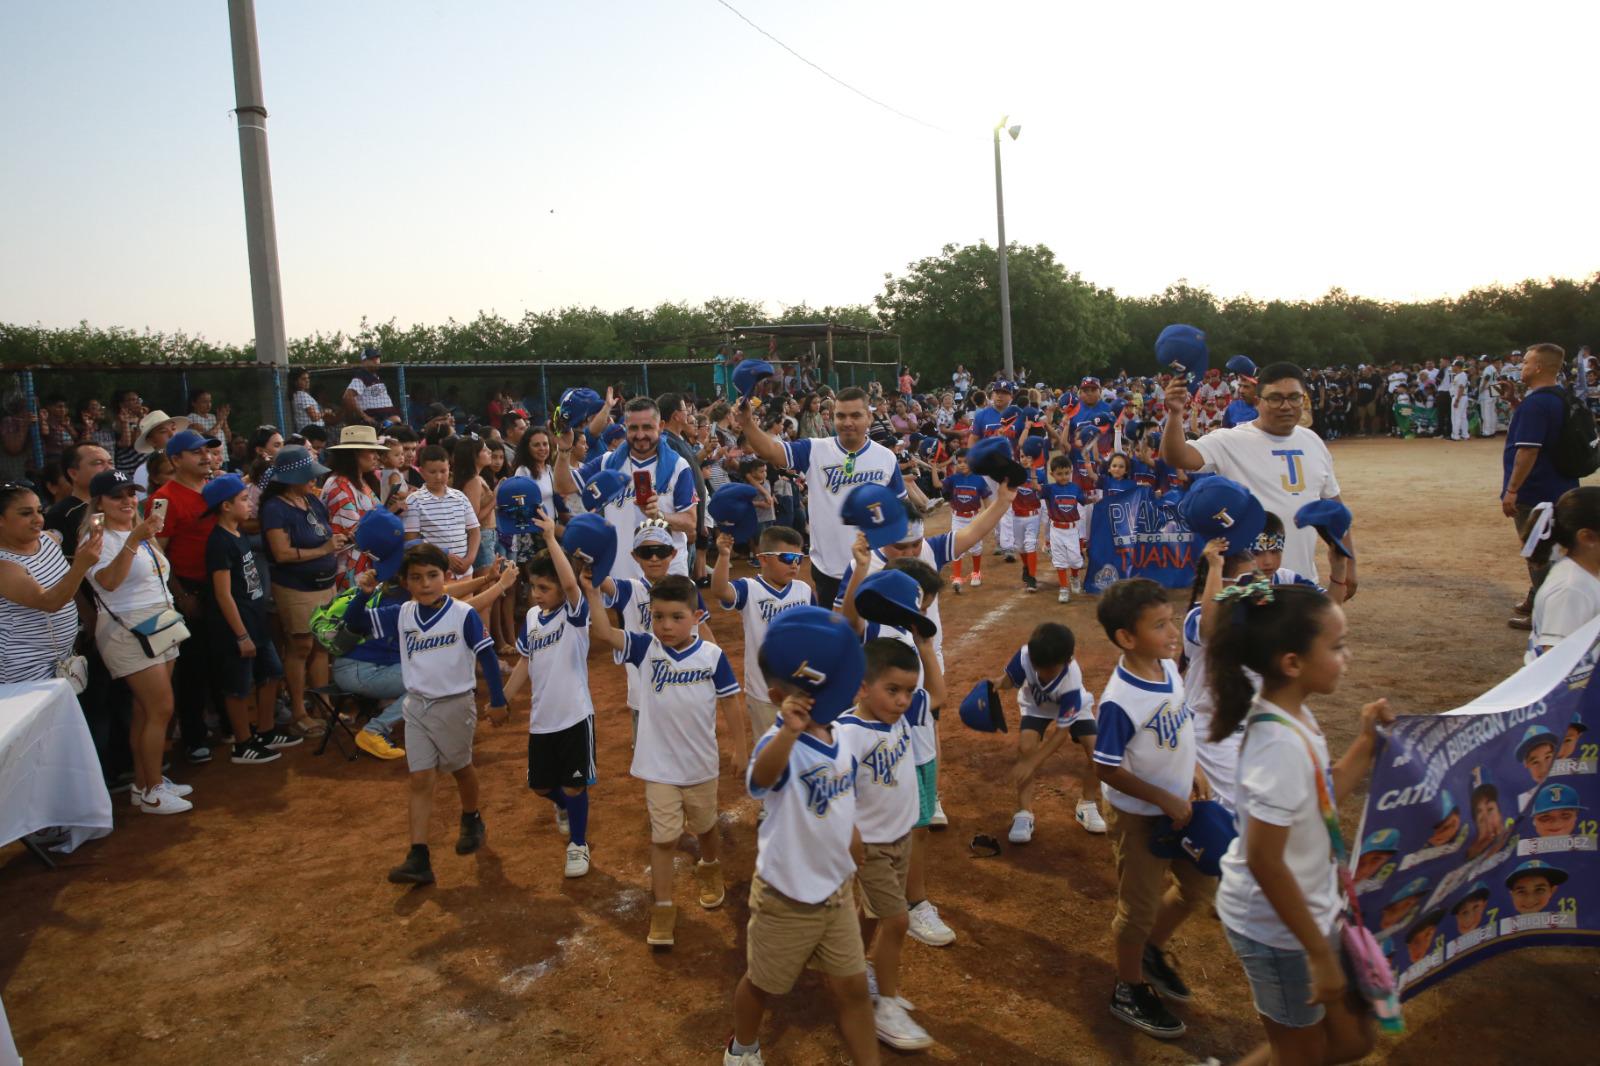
<point>259,929</point>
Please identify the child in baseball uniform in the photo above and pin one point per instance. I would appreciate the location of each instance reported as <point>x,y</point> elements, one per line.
<point>1063,508</point>
<point>879,730</point>
<point>442,643</point>
<point>683,683</point>
<point>1023,523</point>
<point>1049,688</point>
<point>966,492</point>
<point>759,600</point>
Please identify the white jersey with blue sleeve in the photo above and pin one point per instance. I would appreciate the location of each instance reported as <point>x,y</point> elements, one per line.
<point>677,741</point>
<point>920,715</point>
<point>631,600</point>
<point>438,645</point>
<point>1146,730</point>
<point>886,784</point>
<point>1219,759</point>
<point>759,603</point>
<point>1284,576</point>
<point>556,646</point>
<point>1063,697</point>
<point>803,845</point>
<point>937,553</point>
<point>831,472</point>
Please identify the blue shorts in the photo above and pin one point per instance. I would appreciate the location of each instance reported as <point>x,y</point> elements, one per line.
<point>1280,981</point>
<point>486,542</point>
<point>239,677</point>
<point>927,792</point>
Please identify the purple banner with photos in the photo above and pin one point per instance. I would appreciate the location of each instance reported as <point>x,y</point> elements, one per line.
<point>1479,834</point>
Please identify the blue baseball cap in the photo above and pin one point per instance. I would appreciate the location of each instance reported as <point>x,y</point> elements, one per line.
<point>1477,890</point>
<point>928,447</point>
<point>982,710</point>
<point>219,490</point>
<point>516,502</point>
<point>749,374</point>
<point>1556,797</point>
<point>733,509</point>
<point>1089,383</point>
<point>382,535</point>
<point>1577,721</point>
<point>1088,431</point>
<point>579,404</point>
<point>815,651</point>
<point>1331,519</point>
<point>611,435</point>
<point>1221,507</point>
<point>1447,806</point>
<point>893,598</point>
<point>1203,841</point>
<point>876,511</point>
<point>1381,840</point>
<point>590,539</point>
<point>1532,738</point>
<point>1417,886</point>
<point>1554,874</point>
<point>187,440</point>
<point>992,458</point>
<point>1003,386</point>
<point>1482,782</point>
<point>1182,350</point>
<point>1242,365</point>
<point>1036,447</point>
<point>602,489</point>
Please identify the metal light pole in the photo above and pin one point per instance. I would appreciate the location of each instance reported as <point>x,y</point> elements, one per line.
<point>261,232</point>
<point>1005,279</point>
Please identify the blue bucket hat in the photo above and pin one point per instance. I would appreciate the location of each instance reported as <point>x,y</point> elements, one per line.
<point>982,709</point>
<point>382,535</point>
<point>815,651</point>
<point>1556,797</point>
<point>876,511</point>
<point>590,539</point>
<point>1532,738</point>
<point>578,405</point>
<point>733,508</point>
<point>1203,841</point>
<point>294,466</point>
<point>749,374</point>
<point>1331,519</point>
<point>1182,350</point>
<point>516,502</point>
<point>602,489</point>
<point>992,458</point>
<point>1221,507</point>
<point>893,598</point>
<point>219,490</point>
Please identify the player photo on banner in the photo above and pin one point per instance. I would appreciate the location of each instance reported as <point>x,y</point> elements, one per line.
<point>1479,833</point>
<point>1139,534</point>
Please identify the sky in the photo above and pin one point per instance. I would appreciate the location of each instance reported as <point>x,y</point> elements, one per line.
<point>431,160</point>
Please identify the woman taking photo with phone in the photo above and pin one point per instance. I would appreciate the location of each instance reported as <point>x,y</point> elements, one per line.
<point>37,586</point>
<point>138,630</point>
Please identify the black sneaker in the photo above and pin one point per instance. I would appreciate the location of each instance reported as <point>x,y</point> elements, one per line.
<point>199,754</point>
<point>1140,1007</point>
<point>279,738</point>
<point>1159,972</point>
<point>253,751</point>
<point>416,870</point>
<point>473,834</point>
<point>1030,582</point>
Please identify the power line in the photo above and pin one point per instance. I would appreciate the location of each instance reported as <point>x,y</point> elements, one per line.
<point>831,77</point>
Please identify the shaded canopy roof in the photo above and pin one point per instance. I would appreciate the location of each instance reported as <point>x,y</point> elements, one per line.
<point>813,331</point>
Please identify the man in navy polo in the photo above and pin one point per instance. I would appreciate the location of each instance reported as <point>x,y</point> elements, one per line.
<point>991,420</point>
<point>1531,477</point>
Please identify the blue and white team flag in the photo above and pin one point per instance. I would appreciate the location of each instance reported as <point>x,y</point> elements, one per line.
<point>1139,534</point>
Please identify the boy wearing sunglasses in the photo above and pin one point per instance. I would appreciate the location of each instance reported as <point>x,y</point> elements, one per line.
<point>654,551</point>
<point>759,600</point>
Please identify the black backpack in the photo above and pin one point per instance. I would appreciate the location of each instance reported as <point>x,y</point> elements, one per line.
<point>1577,448</point>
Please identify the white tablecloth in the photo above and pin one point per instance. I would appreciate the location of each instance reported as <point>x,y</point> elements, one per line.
<point>8,1050</point>
<point>49,774</point>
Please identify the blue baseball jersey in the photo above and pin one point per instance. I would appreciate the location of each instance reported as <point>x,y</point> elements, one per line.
<point>1062,503</point>
<point>990,423</point>
<point>803,844</point>
<point>1237,413</point>
<point>966,493</point>
<point>1145,728</point>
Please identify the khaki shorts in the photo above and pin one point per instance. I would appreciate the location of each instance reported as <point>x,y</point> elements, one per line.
<point>1142,878</point>
<point>786,936</point>
<point>762,715</point>
<point>674,808</point>
<point>295,607</point>
<point>121,650</point>
<point>883,878</point>
<point>439,732</point>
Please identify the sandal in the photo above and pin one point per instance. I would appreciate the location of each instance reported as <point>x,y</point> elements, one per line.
<point>308,726</point>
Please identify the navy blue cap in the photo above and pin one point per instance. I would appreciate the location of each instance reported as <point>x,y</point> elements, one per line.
<point>992,458</point>
<point>1242,365</point>
<point>1203,841</point>
<point>1554,874</point>
<point>893,598</point>
<point>1182,350</point>
<point>188,440</point>
<point>1003,386</point>
<point>611,434</point>
<point>1221,507</point>
<point>602,489</point>
<point>219,490</point>
<point>815,651</point>
<point>590,539</point>
<point>877,512</point>
<point>1036,446</point>
<point>578,405</point>
<point>382,535</point>
<point>733,509</point>
<point>1331,519</point>
<point>982,710</point>
<point>516,502</point>
<point>749,374</point>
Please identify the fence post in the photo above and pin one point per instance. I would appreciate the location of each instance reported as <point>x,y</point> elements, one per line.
<point>183,385</point>
<point>32,399</point>
<point>544,392</point>
<point>277,400</point>
<point>644,374</point>
<point>405,395</point>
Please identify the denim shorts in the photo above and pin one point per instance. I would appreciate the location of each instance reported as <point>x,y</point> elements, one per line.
<point>486,550</point>
<point>1280,981</point>
<point>239,677</point>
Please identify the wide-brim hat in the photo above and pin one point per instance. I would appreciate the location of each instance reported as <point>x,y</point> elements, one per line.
<point>816,652</point>
<point>381,536</point>
<point>151,422</point>
<point>358,438</point>
<point>982,710</point>
<point>295,466</point>
<point>893,598</point>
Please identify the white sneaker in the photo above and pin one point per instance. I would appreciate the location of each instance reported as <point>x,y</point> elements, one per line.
<point>976,582</point>
<point>161,800</point>
<point>872,990</point>
<point>1077,585</point>
<point>1064,596</point>
<point>1088,815</point>
<point>749,1058</point>
<point>1021,827</point>
<point>938,821</point>
<point>577,860</point>
<point>136,797</point>
<point>928,928</point>
<point>562,823</point>
<point>176,789</point>
<point>896,1028</point>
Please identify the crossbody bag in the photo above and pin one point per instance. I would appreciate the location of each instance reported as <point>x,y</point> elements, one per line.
<point>1363,957</point>
<point>159,633</point>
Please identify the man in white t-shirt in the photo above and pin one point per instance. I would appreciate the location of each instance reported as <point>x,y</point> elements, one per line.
<point>1460,401</point>
<point>832,466</point>
<point>1284,464</point>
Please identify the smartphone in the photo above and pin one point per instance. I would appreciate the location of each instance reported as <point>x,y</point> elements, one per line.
<point>644,488</point>
<point>97,523</point>
<point>158,511</point>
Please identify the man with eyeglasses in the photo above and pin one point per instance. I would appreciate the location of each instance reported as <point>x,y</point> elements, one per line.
<point>1284,464</point>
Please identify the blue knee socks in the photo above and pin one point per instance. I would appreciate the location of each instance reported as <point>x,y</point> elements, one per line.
<point>578,816</point>
<point>559,798</point>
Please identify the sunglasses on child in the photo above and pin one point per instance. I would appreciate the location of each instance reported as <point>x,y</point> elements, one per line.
<point>787,558</point>
<point>655,551</point>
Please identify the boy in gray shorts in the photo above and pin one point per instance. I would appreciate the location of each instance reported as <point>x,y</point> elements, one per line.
<point>442,641</point>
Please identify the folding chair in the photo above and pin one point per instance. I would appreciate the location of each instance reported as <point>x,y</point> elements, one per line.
<point>331,698</point>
